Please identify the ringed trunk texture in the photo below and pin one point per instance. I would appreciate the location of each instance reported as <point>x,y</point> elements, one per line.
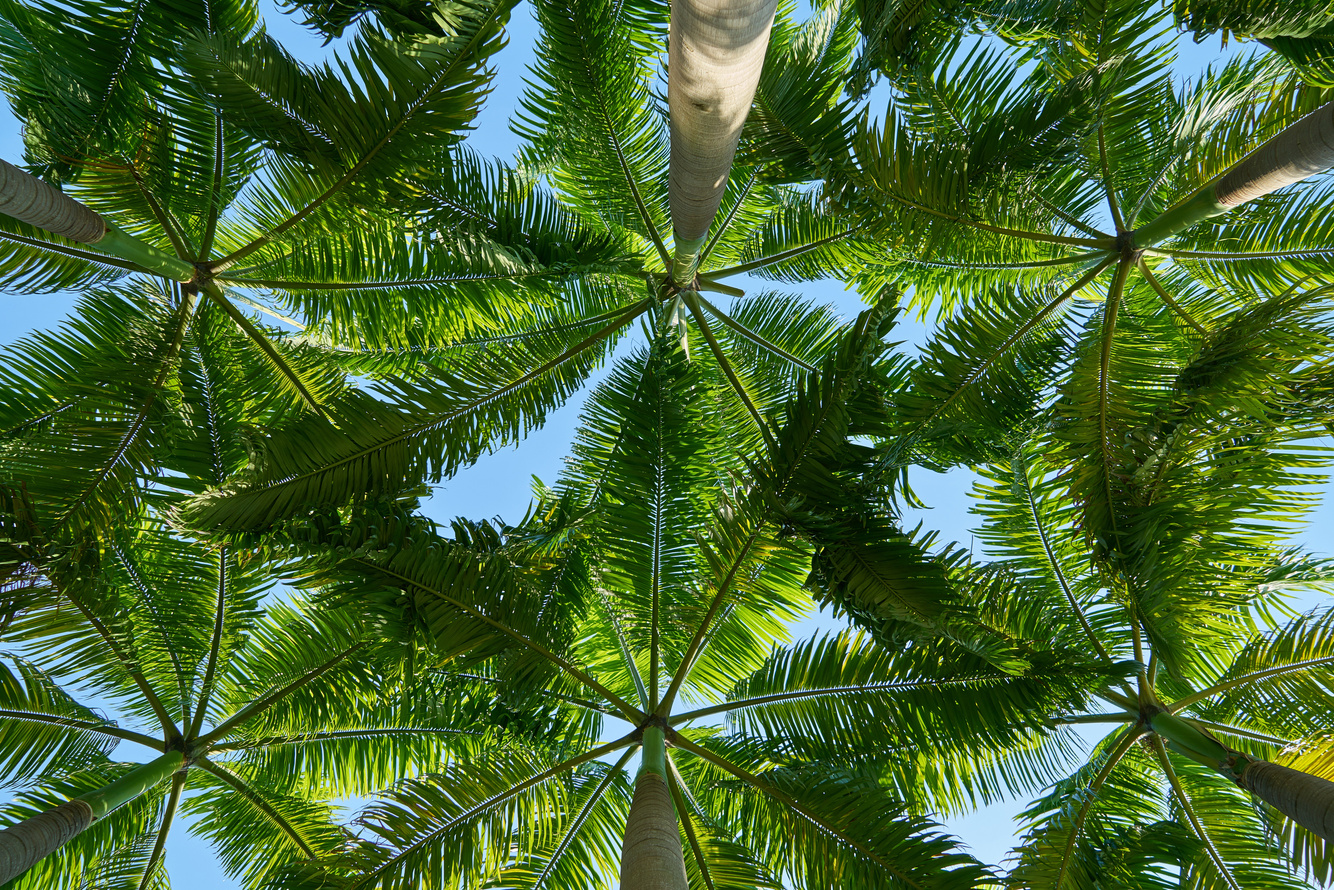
<point>1305,799</point>
<point>651,857</point>
<point>24,845</point>
<point>1300,150</point>
<point>28,199</point>
<point>715,53</point>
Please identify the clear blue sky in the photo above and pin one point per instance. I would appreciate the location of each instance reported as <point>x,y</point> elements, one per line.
<point>499,484</point>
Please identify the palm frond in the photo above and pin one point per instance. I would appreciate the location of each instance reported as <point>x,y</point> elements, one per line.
<point>414,431</point>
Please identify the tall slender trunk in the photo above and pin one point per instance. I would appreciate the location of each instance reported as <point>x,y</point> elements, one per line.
<point>28,199</point>
<point>24,845</point>
<point>651,857</point>
<point>1300,150</point>
<point>1305,799</point>
<point>716,51</point>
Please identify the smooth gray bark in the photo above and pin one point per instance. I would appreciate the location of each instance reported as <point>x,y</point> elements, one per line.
<point>1305,799</point>
<point>28,199</point>
<point>1298,151</point>
<point>24,845</point>
<point>716,52</point>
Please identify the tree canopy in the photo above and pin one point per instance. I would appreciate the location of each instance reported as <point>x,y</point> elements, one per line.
<point>305,300</point>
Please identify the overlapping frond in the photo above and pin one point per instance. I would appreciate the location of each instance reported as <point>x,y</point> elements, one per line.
<point>83,74</point>
<point>430,428</point>
<point>382,111</point>
<point>45,730</point>
<point>591,123</point>
<point>822,824</point>
<point>799,118</point>
<point>1299,32</point>
<point>469,821</point>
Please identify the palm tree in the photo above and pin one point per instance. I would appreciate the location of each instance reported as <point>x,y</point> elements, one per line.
<point>651,589</point>
<point>396,251</point>
<point>260,716</point>
<point>596,136</point>
<point>1022,183</point>
<point>716,53</point>
<point>1181,564</point>
<point>169,195</point>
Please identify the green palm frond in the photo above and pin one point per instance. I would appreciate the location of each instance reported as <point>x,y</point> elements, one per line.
<point>1299,32</point>
<point>1270,673</point>
<point>255,828</point>
<point>44,728</point>
<point>773,339</point>
<point>657,491</point>
<point>401,18</point>
<point>1138,498</point>
<point>901,37</point>
<point>514,210</point>
<point>1282,243</point>
<point>799,118</point>
<point>581,850</point>
<point>800,238</point>
<point>591,123</point>
<point>83,75</point>
<point>1094,809</point>
<point>1234,850</point>
<point>442,587</point>
<point>92,374</point>
<point>819,824</point>
<point>847,695</point>
<point>377,113</point>
<point>385,445</point>
<point>367,741</point>
<point>982,374</point>
<point>459,823</point>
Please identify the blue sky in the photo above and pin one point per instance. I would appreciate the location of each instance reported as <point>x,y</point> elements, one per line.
<point>499,484</point>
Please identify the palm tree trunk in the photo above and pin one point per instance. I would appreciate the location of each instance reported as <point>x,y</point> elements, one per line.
<point>27,843</point>
<point>1298,151</point>
<point>716,51</point>
<point>27,199</point>
<point>651,857</point>
<point>1305,799</point>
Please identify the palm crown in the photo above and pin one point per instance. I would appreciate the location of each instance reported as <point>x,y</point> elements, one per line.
<point>479,296</point>
<point>262,716</point>
<point>1031,195</point>
<point>1182,568</point>
<point>637,593</point>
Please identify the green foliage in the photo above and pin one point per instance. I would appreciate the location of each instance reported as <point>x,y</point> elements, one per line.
<point>799,119</point>
<point>1142,415</point>
<point>383,444</point>
<point>377,114</point>
<point>1298,31</point>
